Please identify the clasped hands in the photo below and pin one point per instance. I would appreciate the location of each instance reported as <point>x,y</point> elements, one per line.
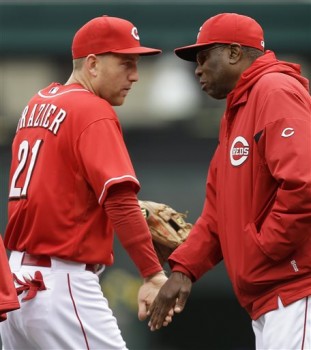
<point>159,298</point>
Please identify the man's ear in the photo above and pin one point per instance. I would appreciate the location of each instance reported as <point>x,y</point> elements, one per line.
<point>235,53</point>
<point>91,64</point>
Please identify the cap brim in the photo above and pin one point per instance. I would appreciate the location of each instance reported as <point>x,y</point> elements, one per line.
<point>140,50</point>
<point>189,53</point>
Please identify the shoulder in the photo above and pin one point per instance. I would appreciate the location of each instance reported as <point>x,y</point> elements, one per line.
<point>280,87</point>
<point>82,108</point>
<point>277,80</point>
<point>80,103</point>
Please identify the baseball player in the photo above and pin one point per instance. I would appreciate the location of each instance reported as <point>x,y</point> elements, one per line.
<point>8,297</point>
<point>257,211</point>
<point>72,184</point>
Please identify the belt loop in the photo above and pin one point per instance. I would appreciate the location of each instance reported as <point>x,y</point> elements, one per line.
<point>15,260</point>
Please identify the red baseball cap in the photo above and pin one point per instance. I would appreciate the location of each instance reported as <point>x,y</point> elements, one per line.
<point>108,34</point>
<point>225,28</point>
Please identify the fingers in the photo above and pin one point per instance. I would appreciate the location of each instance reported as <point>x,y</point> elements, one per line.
<point>168,318</point>
<point>161,312</point>
<point>160,317</point>
<point>171,299</point>
<point>147,293</point>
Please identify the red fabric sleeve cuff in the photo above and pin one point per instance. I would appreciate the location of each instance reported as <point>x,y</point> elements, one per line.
<point>176,267</point>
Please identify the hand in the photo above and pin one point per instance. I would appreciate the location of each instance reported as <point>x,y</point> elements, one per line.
<point>171,299</point>
<point>147,293</point>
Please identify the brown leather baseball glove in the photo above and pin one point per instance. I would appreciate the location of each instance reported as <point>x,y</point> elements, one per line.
<point>167,227</point>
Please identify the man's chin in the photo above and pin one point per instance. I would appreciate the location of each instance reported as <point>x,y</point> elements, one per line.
<point>118,102</point>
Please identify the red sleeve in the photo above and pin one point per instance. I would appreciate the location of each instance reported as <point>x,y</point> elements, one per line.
<point>104,158</point>
<point>131,228</point>
<point>288,224</point>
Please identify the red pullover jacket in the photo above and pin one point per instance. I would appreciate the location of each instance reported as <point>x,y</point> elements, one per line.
<point>257,210</point>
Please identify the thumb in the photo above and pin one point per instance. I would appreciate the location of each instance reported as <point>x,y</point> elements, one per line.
<point>142,310</point>
<point>180,304</point>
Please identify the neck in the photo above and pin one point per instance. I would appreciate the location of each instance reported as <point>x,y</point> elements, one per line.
<point>75,79</point>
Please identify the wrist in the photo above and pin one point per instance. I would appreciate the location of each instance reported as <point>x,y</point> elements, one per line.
<point>155,275</point>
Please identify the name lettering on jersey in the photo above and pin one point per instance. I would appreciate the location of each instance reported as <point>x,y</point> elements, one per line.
<point>239,151</point>
<point>45,115</point>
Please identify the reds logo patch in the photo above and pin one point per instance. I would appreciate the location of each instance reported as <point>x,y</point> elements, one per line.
<point>239,151</point>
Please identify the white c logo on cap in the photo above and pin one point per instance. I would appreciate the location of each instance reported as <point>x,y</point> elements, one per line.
<point>199,32</point>
<point>135,33</point>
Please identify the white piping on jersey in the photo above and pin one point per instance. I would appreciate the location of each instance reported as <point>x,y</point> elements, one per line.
<point>113,179</point>
<point>61,93</point>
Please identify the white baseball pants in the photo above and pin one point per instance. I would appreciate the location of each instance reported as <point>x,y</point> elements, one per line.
<point>71,313</point>
<point>287,328</point>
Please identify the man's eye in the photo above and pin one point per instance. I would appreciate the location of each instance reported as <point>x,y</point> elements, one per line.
<point>129,64</point>
<point>200,60</point>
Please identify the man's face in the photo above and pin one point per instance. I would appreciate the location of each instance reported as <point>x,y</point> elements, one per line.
<point>215,71</point>
<point>115,75</point>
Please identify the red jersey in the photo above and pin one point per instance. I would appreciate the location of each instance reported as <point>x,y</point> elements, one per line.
<point>68,150</point>
<point>257,212</point>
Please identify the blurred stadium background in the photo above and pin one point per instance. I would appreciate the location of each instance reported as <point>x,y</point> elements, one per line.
<point>170,128</point>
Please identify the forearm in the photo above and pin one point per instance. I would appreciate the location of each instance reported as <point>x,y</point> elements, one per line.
<point>125,214</point>
<point>286,226</point>
<point>199,253</point>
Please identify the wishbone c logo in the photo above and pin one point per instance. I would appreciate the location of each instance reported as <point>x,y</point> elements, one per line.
<point>199,32</point>
<point>287,132</point>
<point>135,33</point>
